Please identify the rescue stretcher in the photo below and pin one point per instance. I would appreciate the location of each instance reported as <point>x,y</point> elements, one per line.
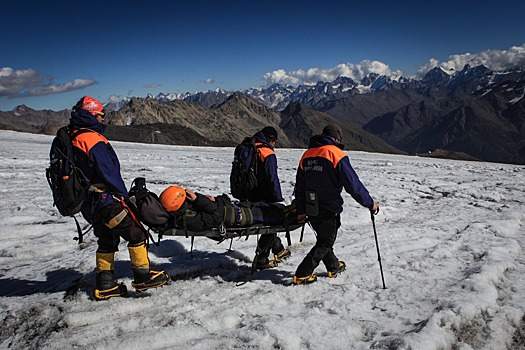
<point>220,234</point>
<point>223,233</point>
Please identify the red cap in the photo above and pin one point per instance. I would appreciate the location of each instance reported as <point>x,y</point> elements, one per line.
<point>92,106</point>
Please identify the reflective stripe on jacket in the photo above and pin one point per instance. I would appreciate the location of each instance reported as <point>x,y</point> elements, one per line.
<point>269,186</point>
<point>326,170</point>
<point>96,158</point>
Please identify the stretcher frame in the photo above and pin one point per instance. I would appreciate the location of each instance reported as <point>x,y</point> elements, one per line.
<point>233,232</point>
<point>224,233</point>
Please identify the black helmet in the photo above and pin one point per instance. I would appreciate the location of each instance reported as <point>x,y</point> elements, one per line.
<point>270,133</point>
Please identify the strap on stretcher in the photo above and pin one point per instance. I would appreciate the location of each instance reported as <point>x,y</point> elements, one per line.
<point>233,232</point>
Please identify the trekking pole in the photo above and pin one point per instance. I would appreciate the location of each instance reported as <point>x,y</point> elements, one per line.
<point>377,246</point>
<point>302,233</point>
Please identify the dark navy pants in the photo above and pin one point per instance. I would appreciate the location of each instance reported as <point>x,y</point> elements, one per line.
<point>325,225</point>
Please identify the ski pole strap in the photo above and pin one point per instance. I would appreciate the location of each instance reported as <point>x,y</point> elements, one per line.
<point>373,214</point>
<point>79,231</point>
<point>153,240</point>
<point>80,236</point>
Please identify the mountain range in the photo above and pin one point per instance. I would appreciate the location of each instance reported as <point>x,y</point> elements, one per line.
<point>474,113</point>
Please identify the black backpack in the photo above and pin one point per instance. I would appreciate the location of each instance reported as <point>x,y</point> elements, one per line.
<point>243,176</point>
<point>147,207</point>
<point>67,182</point>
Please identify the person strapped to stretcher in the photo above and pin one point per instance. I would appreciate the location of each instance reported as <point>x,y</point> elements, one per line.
<point>197,212</point>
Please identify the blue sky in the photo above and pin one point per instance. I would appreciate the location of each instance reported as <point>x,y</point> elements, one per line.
<point>54,52</point>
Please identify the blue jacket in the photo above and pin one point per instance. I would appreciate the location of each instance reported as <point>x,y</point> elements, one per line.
<point>269,187</point>
<point>96,158</point>
<point>325,169</point>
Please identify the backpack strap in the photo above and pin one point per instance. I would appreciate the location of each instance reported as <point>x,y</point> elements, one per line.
<point>75,132</point>
<point>81,234</point>
<point>85,143</point>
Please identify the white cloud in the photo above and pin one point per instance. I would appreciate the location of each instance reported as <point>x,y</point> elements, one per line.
<point>28,82</point>
<point>209,81</point>
<point>152,86</point>
<point>114,98</point>
<point>496,60</point>
<point>76,84</point>
<point>313,75</point>
<point>281,77</point>
<point>13,81</point>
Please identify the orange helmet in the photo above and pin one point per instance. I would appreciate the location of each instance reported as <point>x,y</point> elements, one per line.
<point>172,198</point>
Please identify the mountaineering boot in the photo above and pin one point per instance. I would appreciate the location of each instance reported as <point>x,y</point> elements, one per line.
<point>144,277</point>
<point>149,279</point>
<point>340,268</point>
<point>282,255</point>
<point>264,265</point>
<point>106,287</point>
<point>304,280</point>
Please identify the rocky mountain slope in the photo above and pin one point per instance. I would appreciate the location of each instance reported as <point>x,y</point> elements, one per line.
<point>474,113</point>
<point>227,124</point>
<point>149,120</point>
<point>25,119</point>
<point>474,110</point>
<point>300,123</point>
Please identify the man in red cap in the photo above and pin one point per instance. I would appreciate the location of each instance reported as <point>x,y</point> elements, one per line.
<point>105,207</point>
